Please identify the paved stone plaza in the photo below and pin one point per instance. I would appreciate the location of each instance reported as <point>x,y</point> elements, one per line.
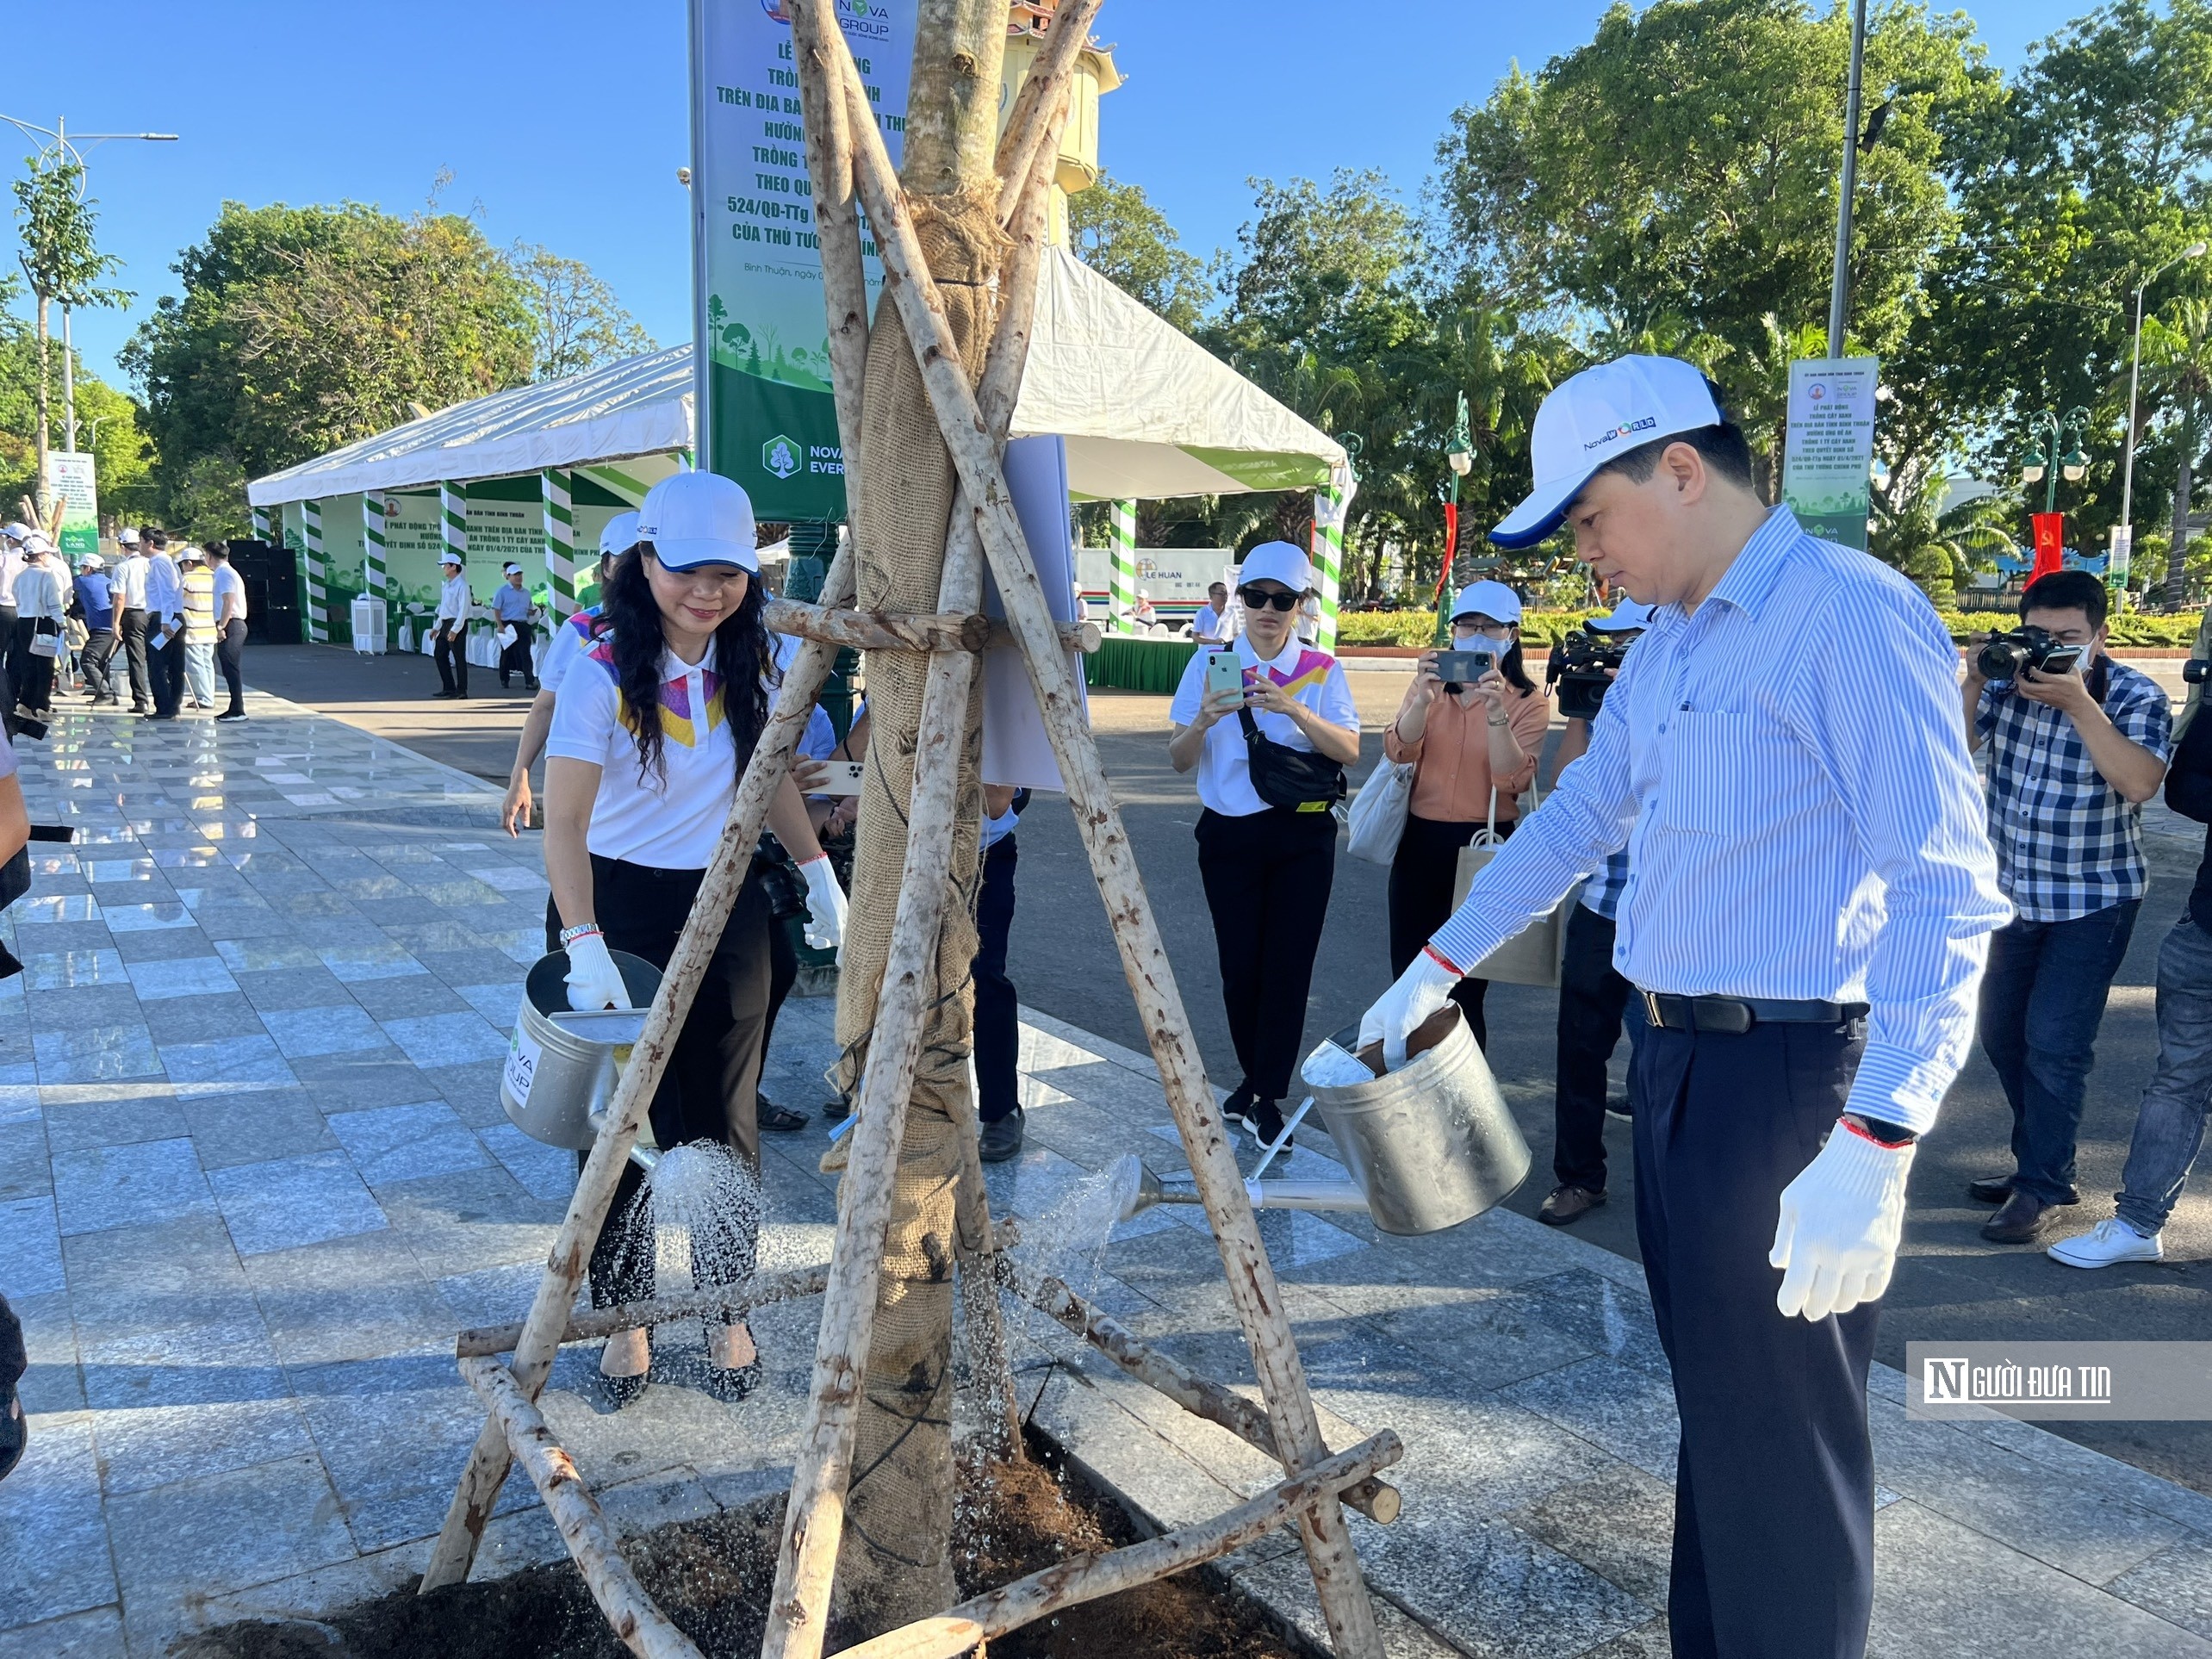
<point>254,1173</point>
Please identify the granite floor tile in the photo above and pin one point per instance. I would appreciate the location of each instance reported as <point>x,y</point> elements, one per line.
<point>190,1252</point>
<point>355,963</point>
<point>30,1244</point>
<point>61,969</point>
<point>477,1219</point>
<point>144,1447</point>
<point>102,1187</point>
<point>1621,1526</point>
<point>407,1143</point>
<point>54,1383</point>
<point>361,1297</point>
<point>289,1202</point>
<point>1622,1408</point>
<point>253,956</point>
<point>303,1033</point>
<point>545,1172</point>
<point>24,1171</point>
<point>98,1634</point>
<point>355,1082</point>
<point>183,1540</point>
<point>2176,1584</point>
<point>54,1559</point>
<point>255,1128</point>
<point>116,1115</point>
<point>455,1039</point>
<point>96,1053</point>
<point>145,918</point>
<point>109,1004</point>
<point>215,1017</point>
<point>416,997</point>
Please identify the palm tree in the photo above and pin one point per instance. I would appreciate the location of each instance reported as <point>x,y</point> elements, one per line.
<point>1934,539</point>
<point>2177,367</point>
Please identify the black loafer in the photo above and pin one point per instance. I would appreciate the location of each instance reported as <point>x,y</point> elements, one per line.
<point>1990,1189</point>
<point>1002,1139</point>
<point>2020,1221</point>
<point>15,1430</point>
<point>1264,1120</point>
<point>778,1120</point>
<point>837,1110</point>
<point>1238,1108</point>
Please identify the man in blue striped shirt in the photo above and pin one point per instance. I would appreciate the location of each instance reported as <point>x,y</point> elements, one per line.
<point>1810,897</point>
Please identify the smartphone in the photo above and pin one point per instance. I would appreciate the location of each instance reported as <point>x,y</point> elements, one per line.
<point>844,778</point>
<point>1465,668</point>
<point>1224,672</point>
<point>2060,660</point>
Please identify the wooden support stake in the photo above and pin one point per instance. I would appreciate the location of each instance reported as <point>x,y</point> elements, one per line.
<point>1252,1285</point>
<point>837,232</point>
<point>456,1550</point>
<point>723,1299</point>
<point>1107,1572</point>
<point>879,631</point>
<point>1201,1396</point>
<point>643,1628</point>
<point>1034,126</point>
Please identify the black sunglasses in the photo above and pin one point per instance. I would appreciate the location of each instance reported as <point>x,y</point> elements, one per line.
<point>1255,601</point>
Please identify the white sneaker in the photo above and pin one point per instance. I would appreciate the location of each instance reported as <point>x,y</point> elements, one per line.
<point>2106,1243</point>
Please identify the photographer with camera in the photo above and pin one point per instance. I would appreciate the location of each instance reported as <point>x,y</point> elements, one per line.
<point>1592,993</point>
<point>1473,745</point>
<point>2077,743</point>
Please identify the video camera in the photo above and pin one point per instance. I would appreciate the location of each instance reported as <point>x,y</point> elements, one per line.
<point>1581,666</point>
<point>2197,671</point>
<point>2004,656</point>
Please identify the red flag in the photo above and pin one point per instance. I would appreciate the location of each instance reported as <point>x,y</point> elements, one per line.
<point>2050,540</point>
<point>1451,552</point>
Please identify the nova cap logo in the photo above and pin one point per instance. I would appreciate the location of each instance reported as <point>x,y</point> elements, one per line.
<point>1643,426</point>
<point>779,456</point>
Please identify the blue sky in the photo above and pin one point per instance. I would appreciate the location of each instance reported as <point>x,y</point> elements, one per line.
<point>564,123</point>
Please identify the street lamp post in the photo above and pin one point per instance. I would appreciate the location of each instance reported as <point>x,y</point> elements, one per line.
<point>73,150</point>
<point>2194,251</point>
<point>2043,462</point>
<point>1459,456</point>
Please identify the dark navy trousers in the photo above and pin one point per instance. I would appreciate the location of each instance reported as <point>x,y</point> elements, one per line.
<point>997,1014</point>
<point>1775,1484</point>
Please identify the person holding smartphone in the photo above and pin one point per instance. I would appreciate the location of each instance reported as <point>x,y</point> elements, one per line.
<point>1267,869</point>
<point>1471,726</point>
<point>2073,754</point>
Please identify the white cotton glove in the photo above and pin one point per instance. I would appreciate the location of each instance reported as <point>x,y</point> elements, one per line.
<point>1841,1220</point>
<point>1421,990</point>
<point>595,982</point>
<point>825,905</point>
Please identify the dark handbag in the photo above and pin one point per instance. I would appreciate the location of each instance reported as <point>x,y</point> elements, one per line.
<point>2188,775</point>
<point>1295,779</point>
<point>780,883</point>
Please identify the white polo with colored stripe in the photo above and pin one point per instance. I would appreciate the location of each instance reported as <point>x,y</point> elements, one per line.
<point>1315,677</point>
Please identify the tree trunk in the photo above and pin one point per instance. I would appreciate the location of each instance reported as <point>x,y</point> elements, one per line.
<point>2176,577</point>
<point>894,1561</point>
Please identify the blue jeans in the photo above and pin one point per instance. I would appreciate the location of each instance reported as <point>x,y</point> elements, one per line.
<point>2042,1002</point>
<point>2170,1128</point>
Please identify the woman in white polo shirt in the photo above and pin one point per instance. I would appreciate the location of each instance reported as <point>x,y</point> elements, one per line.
<point>1267,869</point>
<point>652,727</point>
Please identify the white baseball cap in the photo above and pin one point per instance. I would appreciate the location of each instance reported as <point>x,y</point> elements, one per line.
<point>510,570</point>
<point>1492,599</point>
<point>92,561</point>
<point>1628,614</point>
<point>1595,416</point>
<point>126,537</point>
<point>695,518</point>
<point>1281,562</point>
<point>453,559</point>
<point>619,536</point>
<point>16,531</point>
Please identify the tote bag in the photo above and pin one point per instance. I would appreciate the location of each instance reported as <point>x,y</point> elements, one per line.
<point>1534,955</point>
<point>1378,817</point>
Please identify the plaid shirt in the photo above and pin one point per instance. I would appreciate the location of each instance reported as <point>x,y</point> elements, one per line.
<point>1601,892</point>
<point>2067,842</point>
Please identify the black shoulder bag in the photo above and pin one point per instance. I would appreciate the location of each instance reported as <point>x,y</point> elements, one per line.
<point>1297,780</point>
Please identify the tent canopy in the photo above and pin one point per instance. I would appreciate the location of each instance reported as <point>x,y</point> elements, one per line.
<point>1147,414</point>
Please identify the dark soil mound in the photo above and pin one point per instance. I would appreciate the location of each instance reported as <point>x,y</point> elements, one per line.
<point>713,1578</point>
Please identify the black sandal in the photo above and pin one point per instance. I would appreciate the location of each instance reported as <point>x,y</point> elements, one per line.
<point>779,1120</point>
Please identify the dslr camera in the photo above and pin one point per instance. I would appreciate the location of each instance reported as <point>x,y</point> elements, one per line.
<point>2004,656</point>
<point>1581,667</point>
<point>2197,671</point>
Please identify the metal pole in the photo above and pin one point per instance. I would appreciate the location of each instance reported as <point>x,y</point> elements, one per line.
<point>1839,282</point>
<point>68,383</point>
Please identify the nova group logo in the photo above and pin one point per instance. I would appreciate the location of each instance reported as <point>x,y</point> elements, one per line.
<point>1643,426</point>
<point>779,456</point>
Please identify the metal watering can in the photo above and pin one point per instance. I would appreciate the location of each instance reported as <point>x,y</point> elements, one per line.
<point>562,1064</point>
<point>1429,1146</point>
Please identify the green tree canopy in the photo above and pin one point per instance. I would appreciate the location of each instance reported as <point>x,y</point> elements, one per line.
<point>1114,229</point>
<point>579,324</point>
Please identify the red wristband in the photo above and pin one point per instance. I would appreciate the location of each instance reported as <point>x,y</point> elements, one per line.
<point>1443,962</point>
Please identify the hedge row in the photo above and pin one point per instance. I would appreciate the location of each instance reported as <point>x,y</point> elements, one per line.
<point>1544,628</point>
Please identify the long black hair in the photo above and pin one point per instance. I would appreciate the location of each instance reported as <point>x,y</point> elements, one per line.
<point>743,657</point>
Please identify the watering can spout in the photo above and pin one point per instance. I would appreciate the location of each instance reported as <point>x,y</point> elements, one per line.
<point>646,1157</point>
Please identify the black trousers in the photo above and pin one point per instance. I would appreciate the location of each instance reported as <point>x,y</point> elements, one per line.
<point>450,653</point>
<point>710,1090</point>
<point>30,675</point>
<point>230,657</point>
<point>1421,880</point>
<point>1267,878</point>
<point>997,1020</point>
<point>515,659</point>
<point>133,627</point>
<point>1591,999</point>
<point>92,663</point>
<point>783,974</point>
<point>1774,1486</point>
<point>166,664</point>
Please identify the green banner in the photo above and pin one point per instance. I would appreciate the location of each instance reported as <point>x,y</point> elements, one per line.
<point>763,355</point>
<point>1828,465</point>
<point>70,480</point>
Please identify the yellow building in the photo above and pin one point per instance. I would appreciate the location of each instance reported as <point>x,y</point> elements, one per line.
<point>1028,25</point>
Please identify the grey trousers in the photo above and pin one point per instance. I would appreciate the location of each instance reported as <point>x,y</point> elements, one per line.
<point>2169,1126</point>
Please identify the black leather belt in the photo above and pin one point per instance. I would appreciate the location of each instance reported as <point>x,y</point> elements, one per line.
<point>1733,1015</point>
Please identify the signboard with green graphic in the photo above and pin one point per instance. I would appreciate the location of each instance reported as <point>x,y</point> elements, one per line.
<point>767,416</point>
<point>69,481</point>
<point>1828,463</point>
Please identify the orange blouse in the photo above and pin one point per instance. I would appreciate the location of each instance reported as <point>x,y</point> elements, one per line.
<point>1452,762</point>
